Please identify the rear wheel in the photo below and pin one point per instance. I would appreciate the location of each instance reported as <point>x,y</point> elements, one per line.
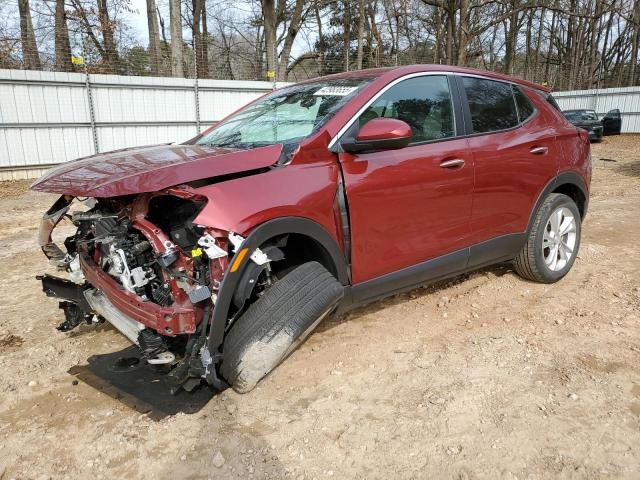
<point>553,242</point>
<point>275,324</point>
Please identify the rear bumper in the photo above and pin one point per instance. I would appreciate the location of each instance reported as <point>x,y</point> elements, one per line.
<point>172,320</point>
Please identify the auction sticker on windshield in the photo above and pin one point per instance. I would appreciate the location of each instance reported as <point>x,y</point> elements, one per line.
<point>336,91</point>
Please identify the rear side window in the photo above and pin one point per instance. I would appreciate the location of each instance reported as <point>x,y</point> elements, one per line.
<point>525,109</point>
<point>491,103</point>
<point>422,102</point>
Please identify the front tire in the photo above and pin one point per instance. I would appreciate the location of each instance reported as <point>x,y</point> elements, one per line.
<point>277,323</point>
<point>553,241</point>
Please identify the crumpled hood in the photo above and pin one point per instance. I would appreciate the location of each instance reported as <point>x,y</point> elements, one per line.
<point>149,169</point>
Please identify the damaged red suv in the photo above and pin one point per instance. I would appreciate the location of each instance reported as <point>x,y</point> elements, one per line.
<point>220,255</point>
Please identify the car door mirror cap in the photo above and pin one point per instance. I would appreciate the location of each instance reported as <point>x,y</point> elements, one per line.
<point>379,134</point>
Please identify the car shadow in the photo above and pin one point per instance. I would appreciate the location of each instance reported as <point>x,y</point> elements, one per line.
<point>420,292</point>
<point>126,377</point>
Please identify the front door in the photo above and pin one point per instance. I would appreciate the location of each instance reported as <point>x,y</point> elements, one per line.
<point>410,205</point>
<point>612,122</point>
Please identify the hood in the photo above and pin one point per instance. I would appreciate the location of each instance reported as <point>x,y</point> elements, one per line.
<point>149,169</point>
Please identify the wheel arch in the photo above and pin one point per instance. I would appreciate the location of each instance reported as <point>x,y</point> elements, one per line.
<point>331,257</point>
<point>568,183</point>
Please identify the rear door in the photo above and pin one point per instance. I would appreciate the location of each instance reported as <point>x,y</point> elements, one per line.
<point>411,205</point>
<point>612,122</point>
<point>515,153</point>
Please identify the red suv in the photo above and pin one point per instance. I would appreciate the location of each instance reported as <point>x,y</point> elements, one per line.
<point>220,255</point>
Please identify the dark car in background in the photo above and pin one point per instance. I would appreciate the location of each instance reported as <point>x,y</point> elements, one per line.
<point>610,124</point>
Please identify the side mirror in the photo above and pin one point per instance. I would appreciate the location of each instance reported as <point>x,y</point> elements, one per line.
<point>379,134</point>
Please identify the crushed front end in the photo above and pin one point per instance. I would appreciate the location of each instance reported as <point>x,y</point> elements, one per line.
<point>140,263</point>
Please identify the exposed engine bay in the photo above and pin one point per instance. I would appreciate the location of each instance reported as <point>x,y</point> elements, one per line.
<point>143,265</point>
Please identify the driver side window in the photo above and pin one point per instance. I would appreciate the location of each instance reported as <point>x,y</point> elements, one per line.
<point>424,103</point>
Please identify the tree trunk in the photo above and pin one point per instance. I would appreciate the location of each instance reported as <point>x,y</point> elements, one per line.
<point>63,49</point>
<point>360,34</point>
<point>346,34</point>
<point>269,17</point>
<point>154,38</point>
<point>437,48</point>
<point>635,39</point>
<point>527,54</point>
<point>463,30</point>
<point>111,57</point>
<point>536,58</point>
<point>321,45</point>
<point>451,19</point>
<point>511,42</point>
<point>198,41</point>
<point>205,42</point>
<point>375,32</point>
<point>292,32</point>
<point>547,66</point>
<point>30,55</point>
<point>175,20</point>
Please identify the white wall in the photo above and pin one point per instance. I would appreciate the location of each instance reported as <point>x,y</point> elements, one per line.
<point>626,99</point>
<point>45,117</point>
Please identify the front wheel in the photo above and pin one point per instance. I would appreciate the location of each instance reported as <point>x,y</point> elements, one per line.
<point>275,324</point>
<point>553,241</point>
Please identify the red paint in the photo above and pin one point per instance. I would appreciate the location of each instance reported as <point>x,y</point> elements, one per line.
<point>404,207</point>
<point>149,169</point>
<point>509,177</point>
<point>383,129</point>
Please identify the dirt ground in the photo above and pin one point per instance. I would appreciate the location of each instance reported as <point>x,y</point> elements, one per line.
<point>486,376</point>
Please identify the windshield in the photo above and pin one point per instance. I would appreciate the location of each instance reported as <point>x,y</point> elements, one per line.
<point>285,116</point>
<point>581,115</point>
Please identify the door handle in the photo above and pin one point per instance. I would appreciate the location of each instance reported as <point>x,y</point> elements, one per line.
<point>453,163</point>
<point>539,150</point>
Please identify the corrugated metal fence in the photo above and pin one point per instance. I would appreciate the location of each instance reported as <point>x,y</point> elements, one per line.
<point>51,117</point>
<point>627,100</point>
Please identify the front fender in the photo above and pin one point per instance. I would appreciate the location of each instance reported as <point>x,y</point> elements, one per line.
<point>241,204</point>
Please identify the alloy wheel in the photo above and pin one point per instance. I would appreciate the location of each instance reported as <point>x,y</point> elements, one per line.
<point>559,239</point>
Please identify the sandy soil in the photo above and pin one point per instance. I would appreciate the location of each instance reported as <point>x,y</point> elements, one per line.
<point>486,376</point>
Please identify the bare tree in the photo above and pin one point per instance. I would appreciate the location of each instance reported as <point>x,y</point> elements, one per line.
<point>155,53</point>
<point>30,53</point>
<point>175,20</point>
<point>62,45</point>
<point>361,22</point>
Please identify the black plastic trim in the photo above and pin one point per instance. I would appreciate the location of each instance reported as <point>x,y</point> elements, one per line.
<point>407,278</point>
<point>495,250</point>
<point>64,289</point>
<point>492,251</point>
